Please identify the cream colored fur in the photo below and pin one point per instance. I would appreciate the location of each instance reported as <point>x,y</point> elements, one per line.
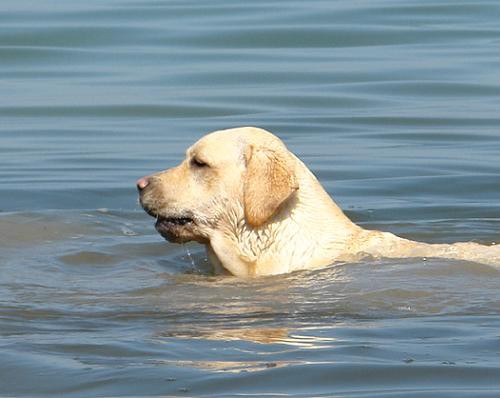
<point>260,211</point>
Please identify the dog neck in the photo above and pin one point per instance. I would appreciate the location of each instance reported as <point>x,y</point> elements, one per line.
<point>309,230</point>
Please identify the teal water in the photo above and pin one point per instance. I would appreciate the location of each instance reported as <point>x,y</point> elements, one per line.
<point>395,105</point>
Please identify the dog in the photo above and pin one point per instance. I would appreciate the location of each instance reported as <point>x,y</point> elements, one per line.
<point>259,210</point>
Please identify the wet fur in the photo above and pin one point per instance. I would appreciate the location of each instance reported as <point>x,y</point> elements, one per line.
<point>260,211</point>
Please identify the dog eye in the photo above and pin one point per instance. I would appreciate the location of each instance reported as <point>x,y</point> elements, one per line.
<point>198,163</point>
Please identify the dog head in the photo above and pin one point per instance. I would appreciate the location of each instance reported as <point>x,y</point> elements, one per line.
<point>228,177</point>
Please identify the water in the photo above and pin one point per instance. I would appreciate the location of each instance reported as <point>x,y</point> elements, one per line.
<point>394,105</point>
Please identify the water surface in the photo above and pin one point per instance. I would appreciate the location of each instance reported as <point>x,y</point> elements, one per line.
<point>393,105</point>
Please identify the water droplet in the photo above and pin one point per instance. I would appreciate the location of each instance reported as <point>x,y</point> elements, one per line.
<point>190,257</point>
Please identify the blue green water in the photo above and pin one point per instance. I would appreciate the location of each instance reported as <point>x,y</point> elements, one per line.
<point>395,106</point>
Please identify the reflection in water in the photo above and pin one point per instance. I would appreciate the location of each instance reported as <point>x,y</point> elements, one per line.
<point>251,334</point>
<point>229,366</point>
<point>262,336</point>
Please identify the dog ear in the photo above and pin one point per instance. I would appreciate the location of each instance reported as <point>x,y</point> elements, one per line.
<point>269,181</point>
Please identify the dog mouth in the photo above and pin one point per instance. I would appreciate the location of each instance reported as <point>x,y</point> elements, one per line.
<point>173,221</point>
<point>167,221</point>
<point>176,229</point>
<point>170,225</point>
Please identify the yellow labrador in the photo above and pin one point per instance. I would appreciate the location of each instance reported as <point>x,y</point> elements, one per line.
<point>260,211</point>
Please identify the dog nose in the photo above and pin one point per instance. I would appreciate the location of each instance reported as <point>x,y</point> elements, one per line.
<point>142,183</point>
